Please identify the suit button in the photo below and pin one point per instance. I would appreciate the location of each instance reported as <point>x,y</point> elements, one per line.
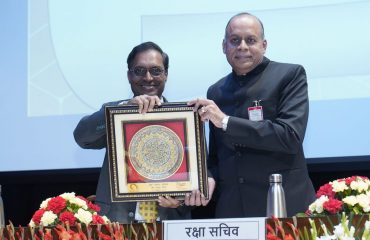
<point>131,214</point>
<point>241,180</point>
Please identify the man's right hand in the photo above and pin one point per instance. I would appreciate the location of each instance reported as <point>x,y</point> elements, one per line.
<point>146,103</point>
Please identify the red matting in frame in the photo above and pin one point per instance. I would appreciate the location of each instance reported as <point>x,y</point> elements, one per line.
<point>178,127</point>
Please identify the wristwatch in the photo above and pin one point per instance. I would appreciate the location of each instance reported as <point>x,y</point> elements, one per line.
<point>225,120</point>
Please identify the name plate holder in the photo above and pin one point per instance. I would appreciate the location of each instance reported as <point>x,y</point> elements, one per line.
<point>223,228</point>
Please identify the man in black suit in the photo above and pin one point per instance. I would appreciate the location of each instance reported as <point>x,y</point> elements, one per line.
<point>258,116</point>
<point>147,74</point>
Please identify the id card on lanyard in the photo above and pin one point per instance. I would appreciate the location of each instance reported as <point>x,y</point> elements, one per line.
<point>255,113</point>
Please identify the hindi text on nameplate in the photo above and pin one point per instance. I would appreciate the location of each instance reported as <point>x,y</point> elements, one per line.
<point>226,228</point>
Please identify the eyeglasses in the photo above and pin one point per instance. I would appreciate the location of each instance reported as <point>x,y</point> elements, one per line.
<point>141,71</point>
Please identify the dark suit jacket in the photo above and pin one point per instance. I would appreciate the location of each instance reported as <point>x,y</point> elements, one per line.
<point>90,133</point>
<point>242,157</point>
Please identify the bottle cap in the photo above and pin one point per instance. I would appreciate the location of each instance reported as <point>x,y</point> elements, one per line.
<point>276,178</point>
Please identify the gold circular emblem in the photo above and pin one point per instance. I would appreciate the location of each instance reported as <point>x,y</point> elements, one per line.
<point>156,152</point>
<point>132,187</point>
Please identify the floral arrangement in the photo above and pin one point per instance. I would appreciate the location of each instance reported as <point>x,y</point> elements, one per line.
<point>67,208</point>
<point>109,231</point>
<point>345,230</point>
<point>349,195</point>
<point>345,201</point>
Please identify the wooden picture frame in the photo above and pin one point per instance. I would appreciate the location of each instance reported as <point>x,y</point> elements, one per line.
<point>159,153</point>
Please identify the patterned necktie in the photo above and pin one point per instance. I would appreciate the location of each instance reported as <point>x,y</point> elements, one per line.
<point>148,210</point>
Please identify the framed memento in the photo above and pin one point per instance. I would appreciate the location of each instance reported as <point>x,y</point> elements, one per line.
<point>158,153</point>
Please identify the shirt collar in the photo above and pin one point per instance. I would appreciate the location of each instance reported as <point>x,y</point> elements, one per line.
<point>258,69</point>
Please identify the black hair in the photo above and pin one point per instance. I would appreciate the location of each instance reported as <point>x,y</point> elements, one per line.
<point>145,47</point>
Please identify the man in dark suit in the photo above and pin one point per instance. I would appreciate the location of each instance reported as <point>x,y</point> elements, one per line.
<point>147,74</point>
<point>258,116</point>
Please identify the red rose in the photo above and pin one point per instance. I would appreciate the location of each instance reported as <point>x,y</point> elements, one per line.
<point>96,219</point>
<point>56,204</point>
<point>327,190</point>
<point>350,179</point>
<point>93,206</point>
<point>332,206</point>
<point>67,217</point>
<point>36,218</point>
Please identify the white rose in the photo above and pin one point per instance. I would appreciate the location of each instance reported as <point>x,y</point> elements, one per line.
<point>84,216</point>
<point>312,207</point>
<point>68,196</point>
<point>364,202</point>
<point>339,186</point>
<point>317,206</point>
<point>359,186</point>
<point>44,203</point>
<point>350,200</point>
<point>354,185</point>
<point>48,218</point>
<point>79,202</point>
<point>363,186</point>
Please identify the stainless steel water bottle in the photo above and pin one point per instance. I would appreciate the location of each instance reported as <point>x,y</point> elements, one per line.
<point>276,198</point>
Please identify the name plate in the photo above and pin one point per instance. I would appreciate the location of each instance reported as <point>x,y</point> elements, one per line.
<point>225,228</point>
